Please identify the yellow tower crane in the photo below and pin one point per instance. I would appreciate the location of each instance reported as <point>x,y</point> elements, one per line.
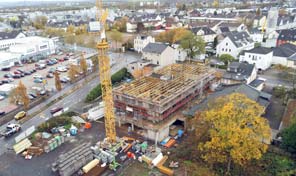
<point>105,75</point>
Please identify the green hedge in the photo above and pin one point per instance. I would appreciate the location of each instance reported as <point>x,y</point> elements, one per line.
<point>115,78</point>
<point>54,122</point>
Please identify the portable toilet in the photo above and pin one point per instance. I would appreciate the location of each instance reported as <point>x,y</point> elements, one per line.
<point>73,130</point>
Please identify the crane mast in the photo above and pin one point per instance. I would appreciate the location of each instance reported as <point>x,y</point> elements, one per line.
<point>105,76</point>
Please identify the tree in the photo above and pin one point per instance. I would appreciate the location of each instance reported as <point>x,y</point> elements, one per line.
<point>140,27</point>
<point>289,140</point>
<point>71,29</point>
<point>83,65</point>
<point>226,58</point>
<point>236,131</point>
<point>120,25</point>
<point>40,22</point>
<point>73,71</point>
<point>258,12</point>
<point>117,37</point>
<point>193,45</point>
<point>215,43</point>
<point>58,84</point>
<point>19,95</point>
<point>173,36</point>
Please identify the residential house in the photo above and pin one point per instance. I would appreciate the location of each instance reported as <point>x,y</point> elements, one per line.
<point>286,36</point>
<point>206,33</point>
<point>234,43</point>
<point>180,54</point>
<point>256,35</point>
<point>131,27</point>
<point>260,97</point>
<point>7,39</point>
<point>260,56</point>
<point>141,41</point>
<point>283,55</point>
<point>159,54</point>
<point>239,72</point>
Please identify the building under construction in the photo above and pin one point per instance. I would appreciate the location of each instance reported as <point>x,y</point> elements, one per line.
<point>150,101</point>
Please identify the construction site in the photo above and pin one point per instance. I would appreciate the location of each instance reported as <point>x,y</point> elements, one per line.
<point>150,102</point>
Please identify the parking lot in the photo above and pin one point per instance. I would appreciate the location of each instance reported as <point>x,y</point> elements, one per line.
<point>35,85</point>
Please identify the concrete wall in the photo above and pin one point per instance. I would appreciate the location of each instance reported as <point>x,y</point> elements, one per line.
<point>162,134</point>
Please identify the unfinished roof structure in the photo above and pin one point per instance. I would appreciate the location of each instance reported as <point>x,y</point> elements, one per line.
<point>156,96</point>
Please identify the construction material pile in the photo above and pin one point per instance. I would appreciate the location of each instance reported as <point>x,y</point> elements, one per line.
<point>70,162</point>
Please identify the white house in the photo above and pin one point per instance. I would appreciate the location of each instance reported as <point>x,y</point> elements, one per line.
<point>284,55</point>
<point>141,41</point>
<point>206,33</point>
<point>234,43</point>
<point>180,54</point>
<point>256,35</point>
<point>159,54</point>
<point>260,56</point>
<point>131,27</point>
<point>8,39</point>
<point>238,72</point>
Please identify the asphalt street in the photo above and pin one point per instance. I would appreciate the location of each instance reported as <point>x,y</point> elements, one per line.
<point>69,101</point>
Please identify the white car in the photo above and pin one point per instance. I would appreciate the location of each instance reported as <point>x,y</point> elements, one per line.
<point>66,77</point>
<point>2,97</point>
<point>61,69</point>
<point>37,76</point>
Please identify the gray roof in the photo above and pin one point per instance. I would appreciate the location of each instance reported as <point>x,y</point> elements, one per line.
<point>287,35</point>
<point>224,29</point>
<point>259,50</point>
<point>239,39</point>
<point>239,71</point>
<point>256,83</point>
<point>157,48</point>
<point>285,50</point>
<point>260,97</point>
<point>205,29</point>
<point>9,35</point>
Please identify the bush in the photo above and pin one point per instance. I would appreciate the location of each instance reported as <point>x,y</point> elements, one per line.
<point>289,140</point>
<point>226,58</point>
<point>54,122</point>
<point>279,92</point>
<point>115,78</point>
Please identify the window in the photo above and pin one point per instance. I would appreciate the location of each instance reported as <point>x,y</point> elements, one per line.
<point>226,50</point>
<point>226,44</point>
<point>229,50</point>
<point>157,62</point>
<point>222,49</point>
<point>133,68</point>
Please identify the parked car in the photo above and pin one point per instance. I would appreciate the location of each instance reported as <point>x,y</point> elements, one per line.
<point>33,95</point>
<point>5,81</point>
<point>66,58</point>
<point>51,70</point>
<point>2,113</point>
<point>10,79</point>
<point>30,97</point>
<point>64,80</point>
<point>11,129</point>
<point>17,72</point>
<point>6,69</point>
<point>61,69</point>
<point>42,92</point>
<point>2,97</point>
<point>8,75</point>
<point>16,76</point>
<point>38,80</point>
<point>27,73</point>
<point>56,109</point>
<point>37,76</point>
<point>20,115</point>
<point>61,59</point>
<point>20,70</point>
<point>49,62</point>
<point>1,82</point>
<point>33,70</point>
<point>49,75</point>
<point>41,66</point>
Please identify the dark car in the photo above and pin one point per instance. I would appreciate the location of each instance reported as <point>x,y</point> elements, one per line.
<point>49,62</point>
<point>1,82</point>
<point>27,72</point>
<point>33,70</point>
<point>56,109</point>
<point>4,81</point>
<point>20,70</point>
<point>33,95</point>
<point>66,58</point>
<point>8,75</point>
<point>6,69</point>
<point>49,75</point>
<point>2,113</point>
<point>16,76</point>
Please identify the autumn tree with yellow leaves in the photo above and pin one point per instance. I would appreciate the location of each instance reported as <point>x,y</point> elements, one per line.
<point>172,36</point>
<point>19,95</point>
<point>236,131</point>
<point>58,84</point>
<point>83,65</point>
<point>73,71</point>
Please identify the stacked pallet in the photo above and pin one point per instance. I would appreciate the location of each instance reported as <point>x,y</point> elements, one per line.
<point>70,162</point>
<point>54,143</point>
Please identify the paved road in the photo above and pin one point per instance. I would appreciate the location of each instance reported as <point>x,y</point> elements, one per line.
<point>68,101</point>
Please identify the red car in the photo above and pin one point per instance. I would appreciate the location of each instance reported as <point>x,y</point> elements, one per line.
<point>56,109</point>
<point>61,59</point>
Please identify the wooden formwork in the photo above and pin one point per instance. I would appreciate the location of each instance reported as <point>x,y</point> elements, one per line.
<point>153,89</point>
